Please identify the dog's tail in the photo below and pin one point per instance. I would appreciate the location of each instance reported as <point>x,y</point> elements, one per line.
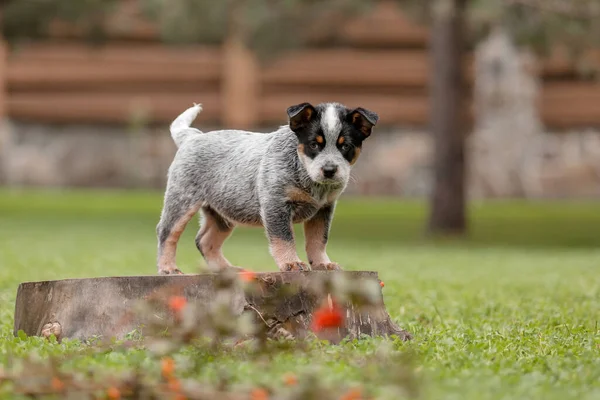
<point>180,127</point>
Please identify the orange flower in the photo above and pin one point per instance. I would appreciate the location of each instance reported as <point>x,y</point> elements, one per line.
<point>381,284</point>
<point>57,385</point>
<point>259,394</point>
<point>352,394</point>
<point>167,367</point>
<point>174,385</point>
<point>113,393</point>
<point>248,276</point>
<point>176,303</point>
<point>290,379</point>
<point>327,317</point>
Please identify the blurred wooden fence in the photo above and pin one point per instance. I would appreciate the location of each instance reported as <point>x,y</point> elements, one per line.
<point>383,65</point>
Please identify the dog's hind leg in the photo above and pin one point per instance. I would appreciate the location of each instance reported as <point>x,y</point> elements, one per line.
<point>214,230</point>
<point>177,212</point>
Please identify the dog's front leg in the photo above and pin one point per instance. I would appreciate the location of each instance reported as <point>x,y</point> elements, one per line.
<point>277,219</point>
<point>316,233</point>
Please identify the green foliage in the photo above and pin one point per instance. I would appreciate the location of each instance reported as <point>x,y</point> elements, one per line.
<point>268,27</point>
<point>31,18</point>
<point>541,24</point>
<point>284,25</point>
<point>189,20</point>
<point>506,313</point>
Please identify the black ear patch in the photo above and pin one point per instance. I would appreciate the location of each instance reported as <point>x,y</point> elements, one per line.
<point>363,119</point>
<point>300,115</point>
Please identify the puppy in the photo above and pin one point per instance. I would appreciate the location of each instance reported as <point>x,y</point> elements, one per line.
<point>273,180</point>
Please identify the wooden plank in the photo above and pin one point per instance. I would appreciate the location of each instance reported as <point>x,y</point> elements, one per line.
<point>564,117</point>
<point>79,66</point>
<point>349,67</point>
<point>74,66</point>
<point>572,91</point>
<point>563,106</point>
<point>570,105</point>
<point>409,110</point>
<point>23,76</point>
<point>354,68</point>
<point>108,107</point>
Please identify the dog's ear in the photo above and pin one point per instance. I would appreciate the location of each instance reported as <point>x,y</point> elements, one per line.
<point>300,115</point>
<point>363,119</point>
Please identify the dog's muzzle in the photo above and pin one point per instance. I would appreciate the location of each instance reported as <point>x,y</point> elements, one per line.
<point>329,171</point>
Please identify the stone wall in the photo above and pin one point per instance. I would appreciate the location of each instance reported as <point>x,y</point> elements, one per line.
<point>58,156</point>
<point>393,161</point>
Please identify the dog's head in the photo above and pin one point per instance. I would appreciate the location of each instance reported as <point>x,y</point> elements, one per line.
<point>330,138</point>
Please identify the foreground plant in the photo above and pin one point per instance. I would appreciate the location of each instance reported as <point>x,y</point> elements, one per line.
<point>214,329</point>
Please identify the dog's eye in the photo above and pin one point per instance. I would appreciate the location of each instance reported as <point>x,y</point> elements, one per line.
<point>345,147</point>
<point>314,146</point>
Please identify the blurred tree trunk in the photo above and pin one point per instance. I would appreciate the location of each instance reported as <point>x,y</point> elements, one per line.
<point>3,69</point>
<point>447,211</point>
<point>4,138</point>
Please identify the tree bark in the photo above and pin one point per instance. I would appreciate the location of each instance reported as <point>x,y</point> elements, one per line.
<point>448,203</point>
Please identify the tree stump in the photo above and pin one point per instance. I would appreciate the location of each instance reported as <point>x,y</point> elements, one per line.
<point>102,307</point>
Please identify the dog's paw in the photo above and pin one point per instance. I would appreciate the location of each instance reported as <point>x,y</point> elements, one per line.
<point>175,271</point>
<point>295,266</point>
<point>327,267</point>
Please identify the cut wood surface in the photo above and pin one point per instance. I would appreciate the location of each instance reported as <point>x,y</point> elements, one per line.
<point>87,308</point>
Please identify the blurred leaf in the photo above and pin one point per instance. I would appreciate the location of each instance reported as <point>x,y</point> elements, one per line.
<point>32,18</point>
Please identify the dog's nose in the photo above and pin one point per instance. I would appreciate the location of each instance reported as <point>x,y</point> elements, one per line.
<point>329,171</point>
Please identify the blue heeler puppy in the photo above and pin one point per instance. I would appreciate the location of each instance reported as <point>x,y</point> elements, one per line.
<point>273,180</point>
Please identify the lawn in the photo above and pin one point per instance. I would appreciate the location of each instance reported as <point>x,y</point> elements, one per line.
<point>510,312</point>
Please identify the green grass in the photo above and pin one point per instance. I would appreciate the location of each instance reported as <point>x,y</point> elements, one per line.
<point>510,312</point>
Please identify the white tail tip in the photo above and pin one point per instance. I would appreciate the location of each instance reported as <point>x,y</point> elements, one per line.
<point>180,127</point>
